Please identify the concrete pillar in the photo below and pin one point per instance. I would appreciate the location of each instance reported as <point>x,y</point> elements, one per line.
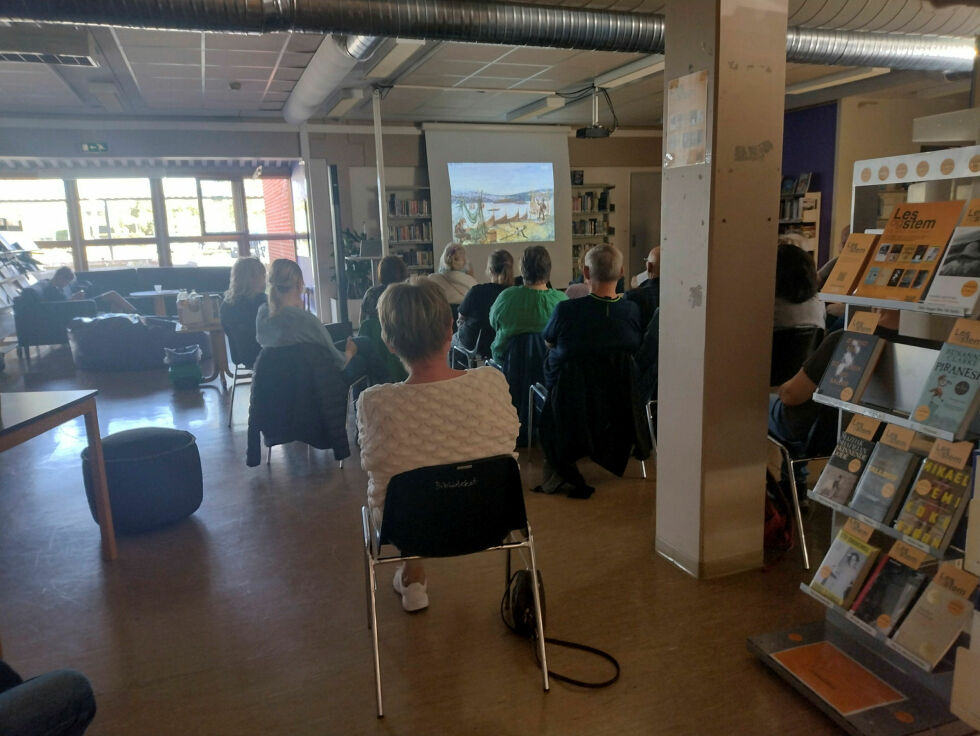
<point>719,253</point>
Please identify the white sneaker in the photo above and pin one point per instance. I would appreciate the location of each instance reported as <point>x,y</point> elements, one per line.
<point>414,595</point>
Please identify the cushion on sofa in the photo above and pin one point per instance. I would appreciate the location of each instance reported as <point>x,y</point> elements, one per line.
<point>203,279</point>
<point>126,342</point>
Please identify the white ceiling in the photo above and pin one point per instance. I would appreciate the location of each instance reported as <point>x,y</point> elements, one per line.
<point>159,73</point>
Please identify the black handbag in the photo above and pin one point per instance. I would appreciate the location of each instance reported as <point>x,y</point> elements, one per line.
<point>517,611</point>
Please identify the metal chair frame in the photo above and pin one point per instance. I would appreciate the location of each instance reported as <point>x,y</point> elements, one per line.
<point>473,358</point>
<point>374,555</point>
<point>242,376</point>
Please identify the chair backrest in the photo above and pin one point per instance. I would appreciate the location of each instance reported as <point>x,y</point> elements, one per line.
<point>455,509</point>
<point>523,366</point>
<point>790,349</point>
<point>238,322</point>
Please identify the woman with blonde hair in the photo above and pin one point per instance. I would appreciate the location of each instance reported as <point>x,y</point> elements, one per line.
<point>246,293</point>
<point>398,429</point>
<point>454,278</point>
<point>285,321</point>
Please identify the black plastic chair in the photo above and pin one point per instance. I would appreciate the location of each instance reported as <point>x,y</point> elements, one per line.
<point>791,347</point>
<point>448,511</point>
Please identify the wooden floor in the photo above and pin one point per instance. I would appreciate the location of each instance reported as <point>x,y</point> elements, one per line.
<point>249,618</point>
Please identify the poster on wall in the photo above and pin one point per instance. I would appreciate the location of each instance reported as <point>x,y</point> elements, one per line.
<point>502,202</point>
<point>685,142</point>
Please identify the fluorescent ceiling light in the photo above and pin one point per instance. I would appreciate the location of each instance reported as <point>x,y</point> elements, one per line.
<point>536,109</point>
<point>833,80</point>
<point>631,72</point>
<point>349,99</point>
<point>397,55</point>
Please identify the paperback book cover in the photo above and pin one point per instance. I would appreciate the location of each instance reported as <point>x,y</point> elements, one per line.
<point>935,504</point>
<point>843,569</point>
<point>851,366</point>
<point>939,615</point>
<point>957,281</point>
<point>909,250</point>
<point>949,399</point>
<point>842,471</point>
<point>884,482</point>
<point>891,588</point>
<point>850,263</point>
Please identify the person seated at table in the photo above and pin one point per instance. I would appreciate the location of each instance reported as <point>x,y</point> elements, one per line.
<point>246,293</point>
<point>526,308</point>
<point>57,703</point>
<point>454,276</point>
<point>797,304</point>
<point>391,270</point>
<point>285,321</point>
<point>474,312</point>
<point>398,429</point>
<point>60,288</point>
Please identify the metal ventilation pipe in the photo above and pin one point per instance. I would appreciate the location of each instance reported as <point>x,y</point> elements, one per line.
<point>484,21</point>
<point>333,60</point>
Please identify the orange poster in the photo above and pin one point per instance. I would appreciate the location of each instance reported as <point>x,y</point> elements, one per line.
<point>909,251</point>
<point>838,680</point>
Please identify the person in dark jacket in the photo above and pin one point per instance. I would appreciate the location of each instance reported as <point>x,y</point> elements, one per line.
<point>647,295</point>
<point>601,328</point>
<point>391,270</point>
<point>474,312</point>
<point>246,293</point>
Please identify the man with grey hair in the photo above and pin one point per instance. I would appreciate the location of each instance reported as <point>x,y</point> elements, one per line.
<point>599,324</point>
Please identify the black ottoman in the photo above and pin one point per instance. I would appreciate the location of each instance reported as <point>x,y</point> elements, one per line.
<point>153,475</point>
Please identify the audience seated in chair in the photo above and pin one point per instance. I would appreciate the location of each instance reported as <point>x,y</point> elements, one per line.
<point>284,321</point>
<point>58,703</point>
<point>526,308</point>
<point>592,407</point>
<point>246,293</point>
<point>646,296</point>
<point>455,275</point>
<point>796,304</point>
<point>391,270</point>
<point>438,415</point>
<point>60,288</point>
<point>474,311</point>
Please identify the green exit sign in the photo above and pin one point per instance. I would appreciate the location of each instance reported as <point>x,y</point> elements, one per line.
<point>95,148</point>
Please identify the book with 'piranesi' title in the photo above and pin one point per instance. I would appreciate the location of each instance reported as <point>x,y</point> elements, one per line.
<point>951,395</point>
<point>845,466</point>
<point>939,615</point>
<point>843,569</point>
<point>850,263</point>
<point>851,366</point>
<point>892,587</point>
<point>886,478</point>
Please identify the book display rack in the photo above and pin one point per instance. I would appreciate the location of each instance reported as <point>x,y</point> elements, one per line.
<point>898,595</point>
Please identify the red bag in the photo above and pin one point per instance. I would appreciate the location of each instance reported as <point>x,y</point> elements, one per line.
<point>778,531</point>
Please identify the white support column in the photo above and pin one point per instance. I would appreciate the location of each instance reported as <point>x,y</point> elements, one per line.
<point>718,268</point>
<point>379,155</point>
<point>321,239</point>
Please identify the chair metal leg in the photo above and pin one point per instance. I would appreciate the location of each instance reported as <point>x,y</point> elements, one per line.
<point>643,467</point>
<point>268,459</point>
<point>231,402</point>
<point>530,421</point>
<point>653,430</point>
<point>372,589</point>
<point>791,464</point>
<point>538,618</point>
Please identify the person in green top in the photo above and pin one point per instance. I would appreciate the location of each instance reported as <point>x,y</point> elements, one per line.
<point>525,308</point>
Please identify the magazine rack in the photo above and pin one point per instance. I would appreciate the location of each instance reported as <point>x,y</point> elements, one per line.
<point>890,397</point>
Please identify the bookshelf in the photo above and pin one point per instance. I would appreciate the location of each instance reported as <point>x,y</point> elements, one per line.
<point>410,226</point>
<point>799,220</point>
<point>591,207</point>
<point>878,185</point>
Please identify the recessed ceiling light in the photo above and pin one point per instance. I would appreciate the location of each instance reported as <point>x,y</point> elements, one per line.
<point>235,85</point>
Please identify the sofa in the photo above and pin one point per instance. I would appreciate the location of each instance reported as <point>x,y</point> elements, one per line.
<point>39,322</point>
<point>126,342</point>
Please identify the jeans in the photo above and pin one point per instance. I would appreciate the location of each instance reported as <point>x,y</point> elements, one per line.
<point>791,426</point>
<point>58,703</point>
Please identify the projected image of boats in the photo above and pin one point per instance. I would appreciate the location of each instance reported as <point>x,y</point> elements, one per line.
<point>484,216</point>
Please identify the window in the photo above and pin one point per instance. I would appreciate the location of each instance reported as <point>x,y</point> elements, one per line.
<point>121,255</point>
<point>270,206</point>
<point>41,209</point>
<point>218,206</point>
<point>183,207</point>
<point>117,209</point>
<point>204,253</point>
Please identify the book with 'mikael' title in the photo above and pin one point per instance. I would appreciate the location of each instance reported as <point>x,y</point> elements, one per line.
<point>935,504</point>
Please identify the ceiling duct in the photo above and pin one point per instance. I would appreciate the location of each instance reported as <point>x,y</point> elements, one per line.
<point>58,45</point>
<point>484,21</point>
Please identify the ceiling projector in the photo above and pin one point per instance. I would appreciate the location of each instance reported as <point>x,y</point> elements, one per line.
<point>593,131</point>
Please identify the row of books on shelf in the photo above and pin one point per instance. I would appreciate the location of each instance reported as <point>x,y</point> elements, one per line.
<point>891,476</point>
<point>592,226</point>
<point>950,398</point>
<point>408,207</point>
<point>921,607</point>
<point>928,252</point>
<point>591,202</point>
<point>793,209</point>
<point>414,257</point>
<point>415,231</point>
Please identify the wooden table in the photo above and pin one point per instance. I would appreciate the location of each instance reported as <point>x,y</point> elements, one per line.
<point>25,415</point>
<point>219,352</point>
<point>159,299</point>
